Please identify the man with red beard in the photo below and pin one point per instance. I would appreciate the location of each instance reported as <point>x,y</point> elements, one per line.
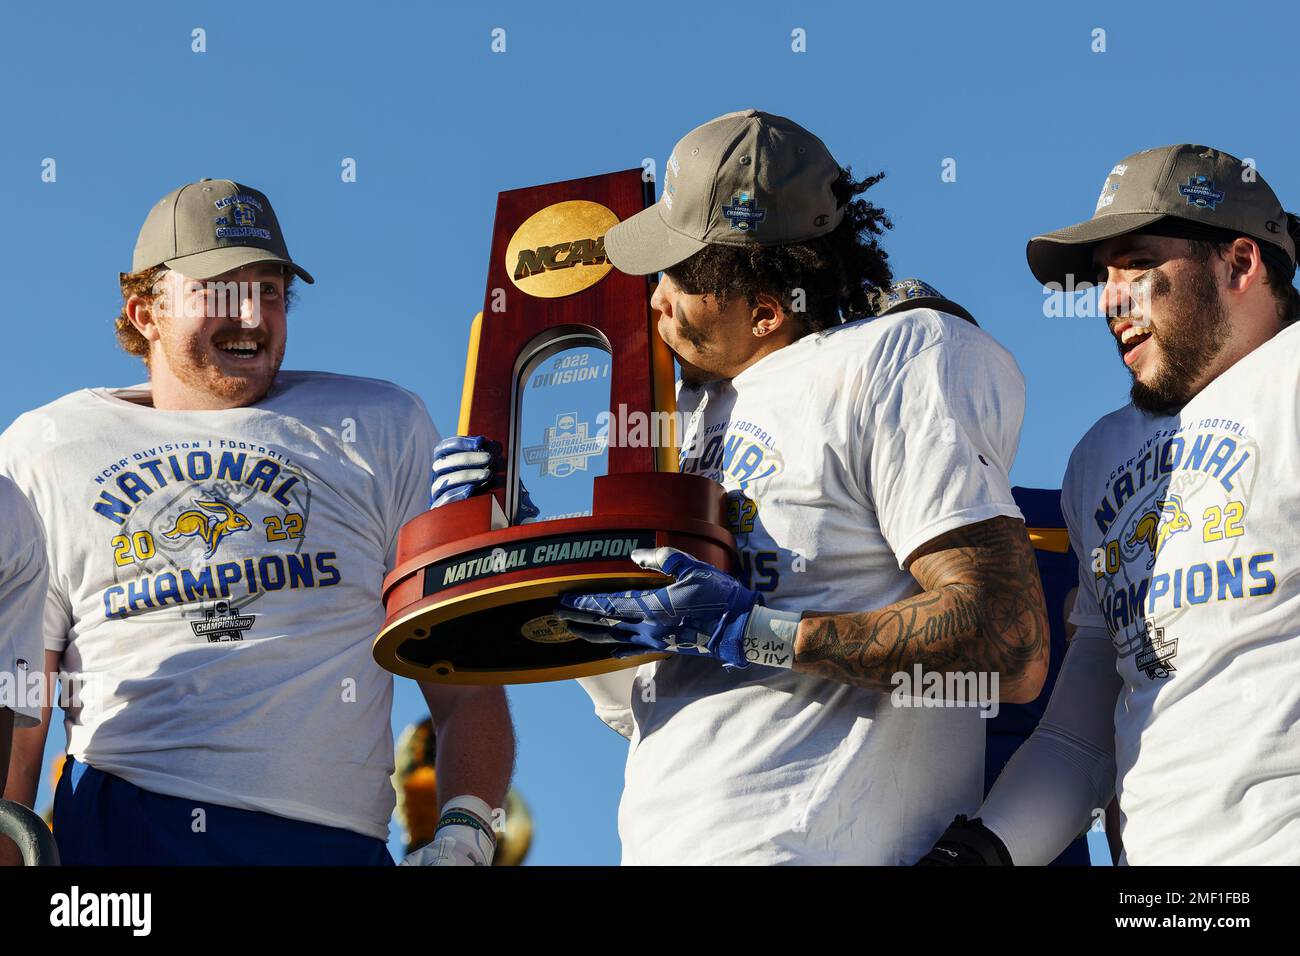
<point>218,537</point>
<point>1179,692</point>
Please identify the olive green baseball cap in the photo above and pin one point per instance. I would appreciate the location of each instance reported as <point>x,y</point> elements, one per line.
<point>212,227</point>
<point>1196,184</point>
<point>746,178</point>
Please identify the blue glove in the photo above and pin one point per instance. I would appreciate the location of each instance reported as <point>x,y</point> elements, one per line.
<point>703,613</point>
<point>463,465</point>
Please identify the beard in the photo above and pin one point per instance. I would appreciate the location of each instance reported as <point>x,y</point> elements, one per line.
<point>190,363</point>
<point>693,377</point>
<point>685,334</point>
<point>1189,340</point>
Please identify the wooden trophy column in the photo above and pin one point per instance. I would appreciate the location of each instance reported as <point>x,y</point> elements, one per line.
<point>473,595</point>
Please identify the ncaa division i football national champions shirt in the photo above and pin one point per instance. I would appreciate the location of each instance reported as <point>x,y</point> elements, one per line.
<point>215,579</point>
<point>1185,530</point>
<point>842,453</point>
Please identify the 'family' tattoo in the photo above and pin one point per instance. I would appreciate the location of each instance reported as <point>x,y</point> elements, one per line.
<point>982,610</point>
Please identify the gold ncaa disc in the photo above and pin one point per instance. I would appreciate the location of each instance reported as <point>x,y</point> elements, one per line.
<point>560,250</point>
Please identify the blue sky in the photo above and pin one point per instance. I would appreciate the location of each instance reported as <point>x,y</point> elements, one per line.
<point>438,124</point>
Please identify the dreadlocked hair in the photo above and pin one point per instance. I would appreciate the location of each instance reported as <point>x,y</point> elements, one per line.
<point>820,282</point>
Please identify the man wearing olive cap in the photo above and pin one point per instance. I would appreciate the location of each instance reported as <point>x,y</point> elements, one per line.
<point>1180,690</point>
<point>866,464</point>
<point>218,536</point>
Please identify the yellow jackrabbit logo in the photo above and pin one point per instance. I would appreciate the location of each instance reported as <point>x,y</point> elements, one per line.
<point>208,528</point>
<point>1156,526</point>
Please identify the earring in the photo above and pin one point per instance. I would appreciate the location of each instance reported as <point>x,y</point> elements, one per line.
<point>758,331</point>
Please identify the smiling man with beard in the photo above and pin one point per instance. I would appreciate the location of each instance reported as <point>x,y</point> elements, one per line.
<point>1179,692</point>
<point>218,538</point>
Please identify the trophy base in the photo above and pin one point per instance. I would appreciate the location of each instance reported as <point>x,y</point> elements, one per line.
<point>479,608</point>
<point>466,640</point>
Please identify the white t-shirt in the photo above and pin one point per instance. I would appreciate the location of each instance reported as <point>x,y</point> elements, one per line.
<point>23,579</point>
<point>843,452</point>
<point>215,580</point>
<point>1184,527</point>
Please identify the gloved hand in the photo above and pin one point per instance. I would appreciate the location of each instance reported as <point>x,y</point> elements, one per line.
<point>463,465</point>
<point>704,612</point>
<point>967,843</point>
<point>463,838</point>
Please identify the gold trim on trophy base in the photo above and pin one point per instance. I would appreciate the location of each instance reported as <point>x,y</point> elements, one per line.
<point>444,672</point>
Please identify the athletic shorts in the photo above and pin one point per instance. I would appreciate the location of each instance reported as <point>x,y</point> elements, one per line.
<point>101,820</point>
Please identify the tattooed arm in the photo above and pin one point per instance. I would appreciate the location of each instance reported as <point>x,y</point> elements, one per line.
<point>981,610</point>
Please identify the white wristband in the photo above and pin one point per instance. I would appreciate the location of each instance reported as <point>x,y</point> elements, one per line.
<point>456,809</point>
<point>769,637</point>
<point>464,834</point>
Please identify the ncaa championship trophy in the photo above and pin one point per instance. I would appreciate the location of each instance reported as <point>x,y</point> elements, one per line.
<point>567,374</point>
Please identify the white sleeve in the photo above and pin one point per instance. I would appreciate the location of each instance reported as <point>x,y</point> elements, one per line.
<point>611,696</point>
<point>57,626</point>
<point>945,428</point>
<point>1053,786</point>
<point>17,467</point>
<point>1065,771</point>
<point>1086,612</point>
<point>413,473</point>
<point>24,577</point>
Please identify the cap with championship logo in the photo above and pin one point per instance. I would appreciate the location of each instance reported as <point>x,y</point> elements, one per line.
<point>747,178</point>
<point>1200,188</point>
<point>209,228</point>
<point>915,294</point>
